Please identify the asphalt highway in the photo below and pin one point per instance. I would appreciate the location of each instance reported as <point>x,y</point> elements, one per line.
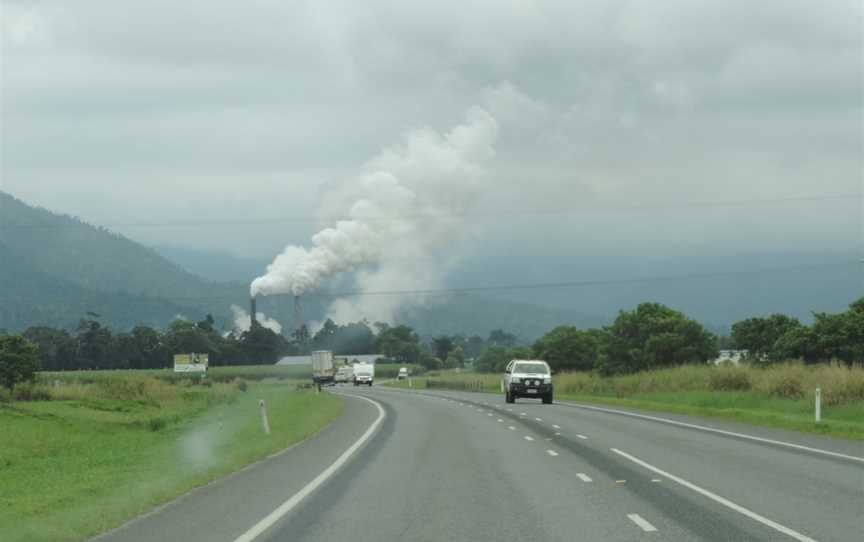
<point>425,465</point>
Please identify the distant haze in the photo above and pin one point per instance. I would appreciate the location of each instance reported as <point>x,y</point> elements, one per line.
<point>634,138</point>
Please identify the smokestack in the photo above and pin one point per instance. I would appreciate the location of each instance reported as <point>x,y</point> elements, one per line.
<point>298,313</point>
<point>253,311</point>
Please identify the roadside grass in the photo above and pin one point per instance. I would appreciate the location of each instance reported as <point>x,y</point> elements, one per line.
<point>779,396</point>
<point>215,374</point>
<point>99,453</point>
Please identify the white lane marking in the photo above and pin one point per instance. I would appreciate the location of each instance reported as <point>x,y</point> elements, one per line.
<point>510,410</point>
<point>529,438</point>
<point>655,480</point>
<point>719,431</point>
<point>644,525</point>
<point>557,434</point>
<point>510,427</point>
<point>500,420</point>
<point>539,419</point>
<point>288,505</point>
<point>553,453</point>
<point>521,413</point>
<point>584,477</point>
<point>583,437</point>
<point>556,426</point>
<point>717,498</point>
<point>489,414</point>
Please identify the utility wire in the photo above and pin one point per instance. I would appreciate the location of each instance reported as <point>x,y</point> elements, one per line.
<point>418,216</point>
<point>523,286</point>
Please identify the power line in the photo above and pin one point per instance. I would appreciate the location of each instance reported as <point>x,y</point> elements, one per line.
<point>418,216</point>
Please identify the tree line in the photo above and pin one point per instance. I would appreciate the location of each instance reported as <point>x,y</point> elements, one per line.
<point>649,336</point>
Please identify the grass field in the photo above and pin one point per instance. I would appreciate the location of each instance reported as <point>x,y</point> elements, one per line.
<point>95,453</point>
<point>779,396</point>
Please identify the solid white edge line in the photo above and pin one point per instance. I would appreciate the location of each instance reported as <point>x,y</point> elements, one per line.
<point>717,498</point>
<point>553,453</point>
<point>288,505</point>
<point>644,525</point>
<point>719,431</point>
<point>584,477</point>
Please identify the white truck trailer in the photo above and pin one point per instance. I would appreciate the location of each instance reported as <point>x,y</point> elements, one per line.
<point>323,369</point>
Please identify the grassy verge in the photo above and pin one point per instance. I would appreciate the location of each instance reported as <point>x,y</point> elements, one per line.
<point>780,396</point>
<point>97,454</point>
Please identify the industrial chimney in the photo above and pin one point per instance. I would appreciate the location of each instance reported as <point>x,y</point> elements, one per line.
<point>298,313</point>
<point>253,311</point>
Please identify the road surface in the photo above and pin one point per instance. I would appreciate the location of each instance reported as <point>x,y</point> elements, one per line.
<point>425,465</point>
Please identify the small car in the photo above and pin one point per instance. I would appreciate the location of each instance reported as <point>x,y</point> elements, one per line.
<point>403,373</point>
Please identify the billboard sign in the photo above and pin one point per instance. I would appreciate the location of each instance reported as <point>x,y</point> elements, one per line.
<point>190,363</point>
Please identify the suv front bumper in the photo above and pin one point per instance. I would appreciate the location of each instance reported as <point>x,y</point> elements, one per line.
<point>530,390</point>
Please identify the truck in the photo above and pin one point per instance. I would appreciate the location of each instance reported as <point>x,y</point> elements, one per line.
<point>323,369</point>
<point>364,373</point>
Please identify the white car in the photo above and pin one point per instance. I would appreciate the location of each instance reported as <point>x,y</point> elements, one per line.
<point>364,373</point>
<point>345,374</point>
<point>527,378</point>
<point>403,373</point>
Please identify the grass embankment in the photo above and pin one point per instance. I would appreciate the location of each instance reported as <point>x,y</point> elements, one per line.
<point>90,455</point>
<point>779,396</point>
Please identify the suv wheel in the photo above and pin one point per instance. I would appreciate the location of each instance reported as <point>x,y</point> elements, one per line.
<point>547,399</point>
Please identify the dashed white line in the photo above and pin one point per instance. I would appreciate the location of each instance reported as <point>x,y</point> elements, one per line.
<point>584,477</point>
<point>644,525</point>
<point>557,434</point>
<point>510,427</point>
<point>583,437</point>
<point>715,430</point>
<point>529,438</point>
<point>556,426</point>
<point>553,453</point>
<point>717,498</point>
<point>500,420</point>
<point>539,419</point>
<point>521,413</point>
<point>489,414</point>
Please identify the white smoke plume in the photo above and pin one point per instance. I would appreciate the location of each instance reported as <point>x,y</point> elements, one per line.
<point>243,322</point>
<point>401,218</point>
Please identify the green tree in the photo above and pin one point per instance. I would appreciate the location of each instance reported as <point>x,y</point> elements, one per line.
<point>653,336</point>
<point>568,348</point>
<point>474,346</point>
<point>93,342</point>
<point>500,337</point>
<point>840,336</point>
<point>495,358</point>
<point>399,343</point>
<point>441,346</point>
<point>456,358</point>
<point>56,347</point>
<point>19,361</point>
<point>262,345</point>
<point>758,335</point>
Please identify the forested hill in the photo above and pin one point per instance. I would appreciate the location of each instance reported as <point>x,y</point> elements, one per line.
<point>65,248</point>
<point>55,268</point>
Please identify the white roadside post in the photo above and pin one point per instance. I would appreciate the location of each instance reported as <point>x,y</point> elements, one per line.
<point>818,404</point>
<point>264,420</point>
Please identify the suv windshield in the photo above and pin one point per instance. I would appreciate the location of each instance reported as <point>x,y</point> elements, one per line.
<point>530,368</point>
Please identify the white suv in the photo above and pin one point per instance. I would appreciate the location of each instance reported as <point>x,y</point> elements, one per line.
<point>527,378</point>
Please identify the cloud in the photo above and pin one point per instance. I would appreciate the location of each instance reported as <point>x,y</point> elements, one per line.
<point>218,111</point>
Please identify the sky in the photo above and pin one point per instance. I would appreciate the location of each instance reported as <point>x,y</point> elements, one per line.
<point>687,134</point>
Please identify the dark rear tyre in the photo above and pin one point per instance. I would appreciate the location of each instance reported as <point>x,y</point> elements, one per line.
<point>356,384</point>
<point>509,397</point>
<point>547,399</point>
<point>370,383</point>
